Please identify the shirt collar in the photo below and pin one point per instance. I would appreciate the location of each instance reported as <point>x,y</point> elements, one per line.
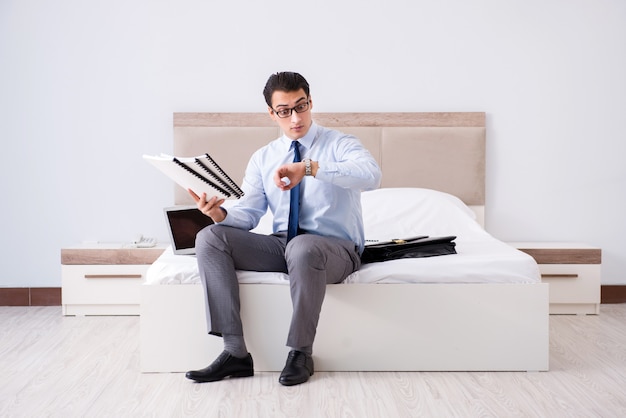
<point>306,140</point>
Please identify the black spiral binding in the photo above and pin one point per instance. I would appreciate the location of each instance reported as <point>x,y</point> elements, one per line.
<point>236,188</point>
<point>207,181</point>
<point>218,178</point>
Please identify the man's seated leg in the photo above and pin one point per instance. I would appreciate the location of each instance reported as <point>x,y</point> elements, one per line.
<point>313,262</point>
<point>220,251</point>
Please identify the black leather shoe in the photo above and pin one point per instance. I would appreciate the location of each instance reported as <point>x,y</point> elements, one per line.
<point>224,366</point>
<point>298,369</point>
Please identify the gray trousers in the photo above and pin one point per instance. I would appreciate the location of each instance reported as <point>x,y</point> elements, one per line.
<point>312,262</point>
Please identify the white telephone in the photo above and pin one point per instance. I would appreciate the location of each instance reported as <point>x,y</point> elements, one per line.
<point>144,242</point>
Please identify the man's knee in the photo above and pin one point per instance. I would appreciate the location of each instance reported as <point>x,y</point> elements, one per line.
<point>303,251</point>
<point>210,237</point>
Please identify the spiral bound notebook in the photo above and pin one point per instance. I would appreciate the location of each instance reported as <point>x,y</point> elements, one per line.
<point>201,174</point>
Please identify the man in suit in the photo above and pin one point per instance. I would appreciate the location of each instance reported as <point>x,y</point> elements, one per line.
<point>310,179</point>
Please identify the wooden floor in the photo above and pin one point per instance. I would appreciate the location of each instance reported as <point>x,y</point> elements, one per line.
<point>52,365</point>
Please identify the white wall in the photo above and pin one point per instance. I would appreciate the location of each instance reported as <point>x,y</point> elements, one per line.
<point>87,87</point>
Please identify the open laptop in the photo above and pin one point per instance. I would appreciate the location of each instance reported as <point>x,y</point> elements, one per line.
<point>183,223</point>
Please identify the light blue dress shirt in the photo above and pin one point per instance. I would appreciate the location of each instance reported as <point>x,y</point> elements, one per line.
<point>330,201</point>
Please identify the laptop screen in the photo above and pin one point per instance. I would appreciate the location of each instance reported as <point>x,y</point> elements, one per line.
<point>184,222</point>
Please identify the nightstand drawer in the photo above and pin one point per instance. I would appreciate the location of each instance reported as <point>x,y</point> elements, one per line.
<point>104,278</point>
<point>572,283</point>
<point>85,285</point>
<point>573,271</point>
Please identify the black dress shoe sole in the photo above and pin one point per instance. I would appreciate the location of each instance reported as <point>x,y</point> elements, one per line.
<point>245,373</point>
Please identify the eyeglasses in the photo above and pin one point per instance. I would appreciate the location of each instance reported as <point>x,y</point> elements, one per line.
<point>286,112</point>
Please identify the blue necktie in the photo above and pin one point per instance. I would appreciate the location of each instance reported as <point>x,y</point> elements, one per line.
<point>294,199</point>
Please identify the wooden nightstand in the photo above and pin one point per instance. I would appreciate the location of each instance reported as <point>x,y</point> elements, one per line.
<point>573,271</point>
<point>104,279</point>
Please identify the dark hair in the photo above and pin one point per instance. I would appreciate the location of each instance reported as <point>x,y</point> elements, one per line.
<point>285,81</point>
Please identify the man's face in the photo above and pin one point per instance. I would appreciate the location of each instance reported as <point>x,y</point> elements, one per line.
<point>295,125</point>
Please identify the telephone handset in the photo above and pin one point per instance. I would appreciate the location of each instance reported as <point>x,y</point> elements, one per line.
<point>144,242</point>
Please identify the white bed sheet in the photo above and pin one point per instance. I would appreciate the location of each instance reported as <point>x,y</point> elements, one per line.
<point>475,262</point>
<point>398,213</point>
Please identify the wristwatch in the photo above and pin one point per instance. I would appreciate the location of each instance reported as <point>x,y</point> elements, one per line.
<point>307,167</point>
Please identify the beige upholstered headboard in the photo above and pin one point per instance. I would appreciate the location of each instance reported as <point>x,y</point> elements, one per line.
<point>441,151</point>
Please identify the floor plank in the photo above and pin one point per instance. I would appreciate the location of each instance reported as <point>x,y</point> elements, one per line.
<point>89,366</point>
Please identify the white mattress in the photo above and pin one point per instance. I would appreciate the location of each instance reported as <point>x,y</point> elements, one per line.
<point>398,213</point>
<point>493,262</point>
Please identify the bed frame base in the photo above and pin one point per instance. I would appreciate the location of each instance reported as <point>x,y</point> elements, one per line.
<point>363,327</point>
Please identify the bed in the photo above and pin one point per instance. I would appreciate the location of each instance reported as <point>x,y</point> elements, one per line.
<point>482,309</point>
